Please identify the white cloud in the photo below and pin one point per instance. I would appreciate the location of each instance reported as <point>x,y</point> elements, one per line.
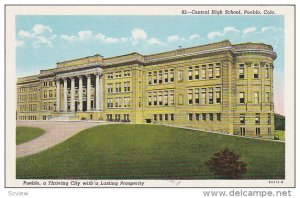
<point>68,38</point>
<point>230,29</point>
<point>40,28</point>
<point>109,40</point>
<point>24,34</point>
<point>39,35</point>
<point>20,43</point>
<point>173,38</point>
<point>138,34</point>
<point>154,41</point>
<point>85,35</point>
<point>249,30</point>
<point>270,28</point>
<point>194,36</point>
<point>212,35</point>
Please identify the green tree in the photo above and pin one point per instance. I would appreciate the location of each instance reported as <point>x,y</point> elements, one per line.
<point>227,165</point>
<point>279,122</point>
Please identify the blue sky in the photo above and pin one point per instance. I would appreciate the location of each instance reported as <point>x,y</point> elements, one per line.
<point>44,40</point>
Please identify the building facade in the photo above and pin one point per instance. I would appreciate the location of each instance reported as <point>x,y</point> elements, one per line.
<point>217,87</point>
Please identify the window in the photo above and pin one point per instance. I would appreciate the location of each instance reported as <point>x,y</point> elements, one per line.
<point>166,117</point>
<point>257,131</point>
<point>197,116</point>
<point>155,117</point>
<point>267,71</point>
<point>110,88</point>
<point>109,102</point>
<point>126,117</point>
<point>171,75</point>
<point>166,76</point>
<point>204,116</point>
<point>45,94</point>
<point>190,73</point>
<point>197,97</point>
<point>242,131</point>
<point>127,86</point>
<point>269,118</point>
<point>149,98</point>
<point>203,96</point>
<point>110,75</point>
<point>118,102</point>
<point>267,97</point>
<point>255,71</point>
<point>218,95</point>
<point>127,73</point>
<point>256,97</point>
<point>218,70</point>
<point>242,98</point>
<point>155,77</point>
<point>160,77</point>
<point>160,98</point>
<point>154,98</point>
<point>203,72</point>
<point>190,117</point>
<point>126,102</point>
<point>210,98</point>
<point>218,116</point>
<point>172,117</point>
<point>149,78</point>
<point>210,71</point>
<point>118,87</point>
<point>242,118</point>
<point>190,96</point>
<point>211,117</point>
<point>242,71</point>
<point>180,75</point>
<point>269,131</point>
<point>171,97</point>
<point>160,117</point>
<point>257,118</point>
<point>166,98</point>
<point>50,93</point>
<point>197,73</point>
<point>117,117</point>
<point>118,74</point>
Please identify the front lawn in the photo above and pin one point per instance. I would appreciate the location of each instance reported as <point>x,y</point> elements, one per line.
<point>25,134</point>
<point>148,152</point>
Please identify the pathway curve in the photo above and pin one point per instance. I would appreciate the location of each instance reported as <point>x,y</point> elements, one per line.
<point>55,133</point>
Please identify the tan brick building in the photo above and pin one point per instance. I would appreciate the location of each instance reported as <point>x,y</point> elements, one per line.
<point>217,87</point>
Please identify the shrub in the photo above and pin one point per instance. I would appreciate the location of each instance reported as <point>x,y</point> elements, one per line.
<point>227,165</point>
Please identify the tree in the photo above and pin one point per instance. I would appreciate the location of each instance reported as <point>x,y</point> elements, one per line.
<point>227,165</point>
<point>279,122</point>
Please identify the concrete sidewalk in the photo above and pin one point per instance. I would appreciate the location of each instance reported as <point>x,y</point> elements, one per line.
<point>55,133</point>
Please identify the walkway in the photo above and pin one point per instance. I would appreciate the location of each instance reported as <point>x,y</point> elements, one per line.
<point>55,133</point>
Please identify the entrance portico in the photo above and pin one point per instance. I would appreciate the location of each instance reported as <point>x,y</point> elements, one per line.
<point>79,91</point>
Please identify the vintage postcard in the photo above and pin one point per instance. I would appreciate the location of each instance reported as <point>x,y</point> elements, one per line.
<point>150,96</point>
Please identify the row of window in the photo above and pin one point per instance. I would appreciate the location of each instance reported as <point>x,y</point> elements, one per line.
<point>204,116</point>
<point>208,95</point>
<point>118,117</point>
<point>22,98</point>
<point>257,119</point>
<point>27,117</point>
<point>255,71</point>
<point>160,77</point>
<point>256,98</point>
<point>165,117</point>
<point>118,74</point>
<point>31,88</point>
<point>30,107</point>
<point>118,102</point>
<point>118,87</point>
<point>161,98</point>
<point>257,131</point>
<point>48,106</point>
<point>49,94</point>
<point>207,72</point>
<point>49,83</point>
<point>32,97</point>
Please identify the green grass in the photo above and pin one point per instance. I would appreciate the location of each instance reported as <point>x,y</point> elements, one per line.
<point>281,134</point>
<point>148,152</point>
<point>25,134</point>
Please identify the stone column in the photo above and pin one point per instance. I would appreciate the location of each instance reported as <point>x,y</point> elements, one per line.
<point>57,95</point>
<point>80,94</point>
<point>100,94</point>
<point>72,105</point>
<point>97,93</point>
<point>88,93</point>
<point>65,94</point>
